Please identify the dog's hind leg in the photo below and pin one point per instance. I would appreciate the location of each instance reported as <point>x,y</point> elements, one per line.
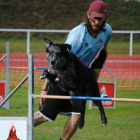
<point>80,106</point>
<point>93,90</point>
<point>82,117</point>
<point>102,112</point>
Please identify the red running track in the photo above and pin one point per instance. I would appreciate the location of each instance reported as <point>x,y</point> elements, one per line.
<point>121,65</point>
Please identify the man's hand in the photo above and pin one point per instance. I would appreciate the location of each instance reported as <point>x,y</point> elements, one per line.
<point>44,92</point>
<point>42,100</point>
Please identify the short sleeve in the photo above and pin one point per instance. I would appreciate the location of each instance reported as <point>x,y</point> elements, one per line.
<point>109,33</point>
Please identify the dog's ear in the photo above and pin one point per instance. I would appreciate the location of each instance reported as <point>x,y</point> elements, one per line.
<point>68,47</point>
<point>65,48</point>
<point>48,42</point>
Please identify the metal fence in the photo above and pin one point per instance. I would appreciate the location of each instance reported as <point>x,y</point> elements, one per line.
<point>29,31</point>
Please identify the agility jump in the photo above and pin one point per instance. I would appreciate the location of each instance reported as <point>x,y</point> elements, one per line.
<point>86,98</point>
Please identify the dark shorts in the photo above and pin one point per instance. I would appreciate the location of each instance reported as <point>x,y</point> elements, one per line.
<point>53,107</point>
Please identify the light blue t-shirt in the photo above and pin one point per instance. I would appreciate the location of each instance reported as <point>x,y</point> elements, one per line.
<point>86,47</point>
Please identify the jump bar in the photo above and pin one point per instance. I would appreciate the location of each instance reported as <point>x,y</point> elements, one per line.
<point>41,68</point>
<point>86,98</point>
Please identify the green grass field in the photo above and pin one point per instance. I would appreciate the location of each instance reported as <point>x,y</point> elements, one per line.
<point>123,121</point>
<point>38,46</point>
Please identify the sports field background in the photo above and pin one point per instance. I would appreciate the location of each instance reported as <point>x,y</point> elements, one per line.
<point>124,67</point>
<point>123,121</point>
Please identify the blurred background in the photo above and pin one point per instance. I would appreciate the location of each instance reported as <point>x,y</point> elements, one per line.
<point>122,15</point>
<point>65,15</point>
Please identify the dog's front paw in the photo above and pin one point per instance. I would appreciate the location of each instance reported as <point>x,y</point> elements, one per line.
<point>44,74</point>
<point>57,79</point>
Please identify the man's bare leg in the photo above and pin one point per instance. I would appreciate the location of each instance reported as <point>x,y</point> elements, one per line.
<point>70,127</point>
<point>38,119</point>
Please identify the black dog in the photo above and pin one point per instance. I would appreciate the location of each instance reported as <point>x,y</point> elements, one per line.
<point>67,72</point>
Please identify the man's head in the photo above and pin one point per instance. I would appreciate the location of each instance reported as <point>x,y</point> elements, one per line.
<point>96,14</point>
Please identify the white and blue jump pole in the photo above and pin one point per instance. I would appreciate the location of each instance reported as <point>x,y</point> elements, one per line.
<point>86,98</point>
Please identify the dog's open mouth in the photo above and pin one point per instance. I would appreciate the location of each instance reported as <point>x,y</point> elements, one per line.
<point>53,66</point>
